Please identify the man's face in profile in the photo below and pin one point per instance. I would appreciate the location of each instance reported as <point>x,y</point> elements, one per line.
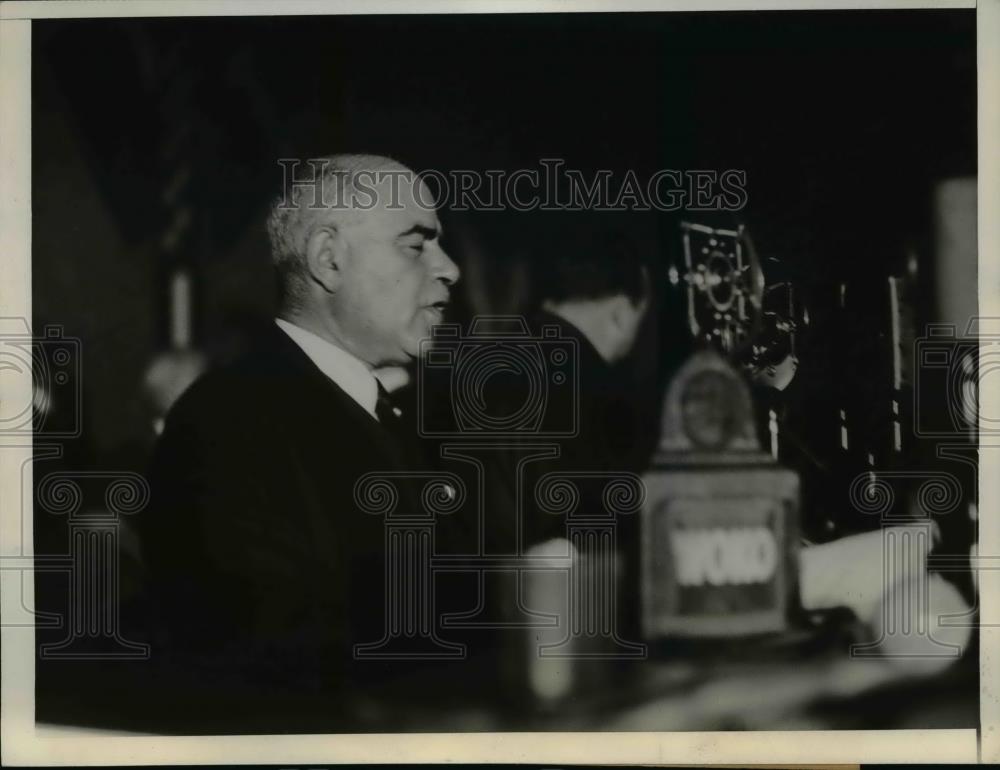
<point>396,276</point>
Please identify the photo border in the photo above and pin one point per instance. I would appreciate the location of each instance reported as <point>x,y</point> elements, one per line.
<point>25,743</point>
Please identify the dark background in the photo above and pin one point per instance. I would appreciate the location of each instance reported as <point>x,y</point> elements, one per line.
<point>155,141</point>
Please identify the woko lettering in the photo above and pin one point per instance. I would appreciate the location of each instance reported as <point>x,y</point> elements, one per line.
<point>718,556</point>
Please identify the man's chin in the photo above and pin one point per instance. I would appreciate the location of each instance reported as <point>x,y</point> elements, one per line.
<point>414,350</point>
<point>430,326</point>
<point>417,338</point>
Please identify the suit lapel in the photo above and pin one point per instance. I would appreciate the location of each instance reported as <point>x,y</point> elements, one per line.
<point>327,427</point>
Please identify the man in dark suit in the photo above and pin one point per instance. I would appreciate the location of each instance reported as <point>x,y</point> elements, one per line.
<point>592,287</point>
<point>265,572</point>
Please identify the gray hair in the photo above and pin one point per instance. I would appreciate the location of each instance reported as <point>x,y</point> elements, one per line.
<point>307,205</point>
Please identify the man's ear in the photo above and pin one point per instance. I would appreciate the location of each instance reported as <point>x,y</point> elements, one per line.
<point>326,252</point>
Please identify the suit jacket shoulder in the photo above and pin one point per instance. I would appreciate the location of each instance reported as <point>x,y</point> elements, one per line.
<point>254,540</point>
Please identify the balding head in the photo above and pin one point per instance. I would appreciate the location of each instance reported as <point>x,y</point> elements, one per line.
<point>357,253</point>
<point>342,190</point>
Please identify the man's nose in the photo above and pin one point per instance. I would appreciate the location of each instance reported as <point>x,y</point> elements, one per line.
<point>443,268</point>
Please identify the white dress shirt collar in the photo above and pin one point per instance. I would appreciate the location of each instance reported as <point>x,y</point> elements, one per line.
<point>347,371</point>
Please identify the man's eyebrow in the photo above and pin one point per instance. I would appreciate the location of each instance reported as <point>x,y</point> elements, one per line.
<point>430,233</point>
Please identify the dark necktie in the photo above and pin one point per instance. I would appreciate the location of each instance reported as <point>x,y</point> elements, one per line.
<point>388,414</point>
<point>390,417</point>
